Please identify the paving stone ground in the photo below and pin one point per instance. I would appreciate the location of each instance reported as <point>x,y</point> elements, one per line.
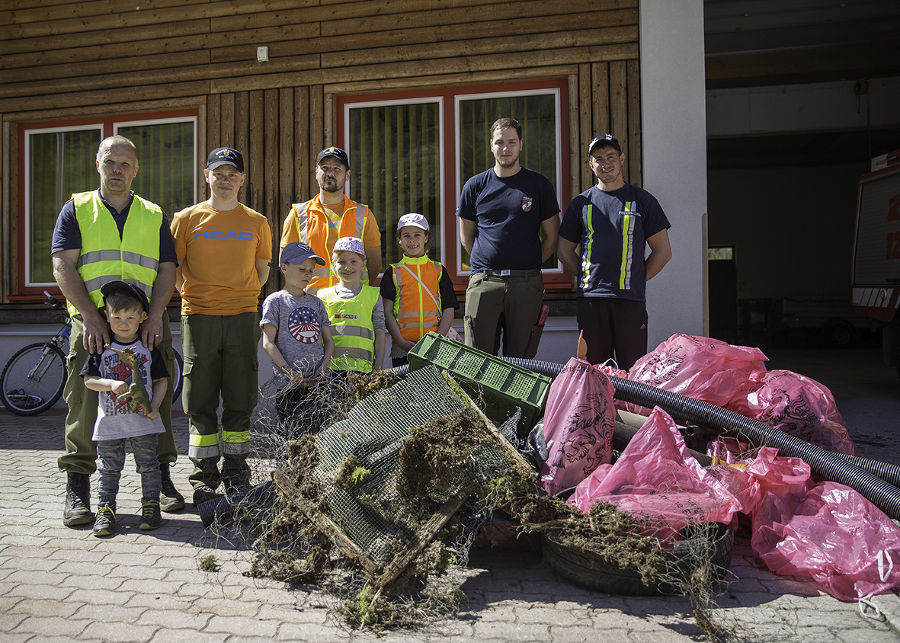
<point>58,583</point>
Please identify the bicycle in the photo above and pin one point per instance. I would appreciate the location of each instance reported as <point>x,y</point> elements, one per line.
<point>33,378</point>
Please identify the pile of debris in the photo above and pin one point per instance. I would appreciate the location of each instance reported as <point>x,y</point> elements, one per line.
<point>378,488</point>
<point>381,507</point>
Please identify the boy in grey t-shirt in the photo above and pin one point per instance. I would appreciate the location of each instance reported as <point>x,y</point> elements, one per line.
<point>296,331</point>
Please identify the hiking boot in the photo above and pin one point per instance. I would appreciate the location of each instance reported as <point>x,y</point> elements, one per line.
<point>237,486</point>
<point>78,500</point>
<point>105,525</point>
<point>170,500</point>
<point>203,493</point>
<point>150,516</point>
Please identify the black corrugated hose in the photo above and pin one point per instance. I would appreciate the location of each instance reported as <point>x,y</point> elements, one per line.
<point>825,464</point>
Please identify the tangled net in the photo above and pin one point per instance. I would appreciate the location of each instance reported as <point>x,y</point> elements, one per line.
<point>375,489</point>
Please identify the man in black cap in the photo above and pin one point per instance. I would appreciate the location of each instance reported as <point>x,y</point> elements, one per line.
<point>223,249</point>
<point>612,221</point>
<point>331,215</point>
<point>90,226</point>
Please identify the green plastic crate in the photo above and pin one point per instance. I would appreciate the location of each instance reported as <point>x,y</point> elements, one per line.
<point>502,386</point>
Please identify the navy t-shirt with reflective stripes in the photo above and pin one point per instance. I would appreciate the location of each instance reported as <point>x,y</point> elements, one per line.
<point>612,229</point>
<point>508,213</point>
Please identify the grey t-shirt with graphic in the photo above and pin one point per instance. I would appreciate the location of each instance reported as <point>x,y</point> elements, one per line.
<point>299,322</point>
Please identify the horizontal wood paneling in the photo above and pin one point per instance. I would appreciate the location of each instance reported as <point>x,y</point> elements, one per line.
<point>61,59</point>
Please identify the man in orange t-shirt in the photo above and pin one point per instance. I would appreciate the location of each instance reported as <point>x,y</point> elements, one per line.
<point>329,215</point>
<point>223,250</point>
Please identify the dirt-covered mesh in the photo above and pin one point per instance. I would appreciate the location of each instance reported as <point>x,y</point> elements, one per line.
<point>407,569</point>
<point>359,461</point>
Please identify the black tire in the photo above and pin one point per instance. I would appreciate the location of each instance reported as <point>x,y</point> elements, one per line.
<point>588,570</point>
<point>33,379</point>
<point>179,376</point>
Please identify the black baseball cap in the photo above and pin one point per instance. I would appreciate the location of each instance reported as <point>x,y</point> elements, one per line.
<point>225,156</point>
<point>126,288</point>
<point>337,153</point>
<point>604,140</point>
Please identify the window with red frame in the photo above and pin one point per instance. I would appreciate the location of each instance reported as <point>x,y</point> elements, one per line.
<point>59,160</point>
<point>412,152</point>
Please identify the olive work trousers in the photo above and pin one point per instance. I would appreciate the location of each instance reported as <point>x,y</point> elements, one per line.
<point>220,365</point>
<point>81,450</point>
<point>507,304</point>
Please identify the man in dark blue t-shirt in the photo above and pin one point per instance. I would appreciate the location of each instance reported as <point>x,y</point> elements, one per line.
<point>501,214</point>
<point>612,221</point>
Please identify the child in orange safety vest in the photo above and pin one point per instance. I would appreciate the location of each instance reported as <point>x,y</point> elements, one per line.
<point>417,292</point>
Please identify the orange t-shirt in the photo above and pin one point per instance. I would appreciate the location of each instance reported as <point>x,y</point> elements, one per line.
<point>217,252</point>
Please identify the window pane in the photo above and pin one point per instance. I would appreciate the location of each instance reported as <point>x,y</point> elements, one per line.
<point>536,114</point>
<point>166,163</point>
<point>60,164</point>
<point>395,160</point>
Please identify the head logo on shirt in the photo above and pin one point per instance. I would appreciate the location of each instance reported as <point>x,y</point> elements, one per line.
<point>303,325</point>
<point>526,203</point>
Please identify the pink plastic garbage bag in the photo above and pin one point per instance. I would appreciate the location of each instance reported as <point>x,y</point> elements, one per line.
<point>656,477</point>
<point>610,370</point>
<point>798,405</point>
<point>835,537</point>
<point>703,368</point>
<point>578,425</point>
<point>754,476</point>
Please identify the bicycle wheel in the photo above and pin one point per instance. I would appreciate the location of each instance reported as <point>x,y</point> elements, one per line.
<point>33,379</point>
<point>179,376</point>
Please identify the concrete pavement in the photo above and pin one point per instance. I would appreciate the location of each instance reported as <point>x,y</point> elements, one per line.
<point>61,583</point>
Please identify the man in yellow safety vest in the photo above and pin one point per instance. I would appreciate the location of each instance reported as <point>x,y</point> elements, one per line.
<point>106,235</point>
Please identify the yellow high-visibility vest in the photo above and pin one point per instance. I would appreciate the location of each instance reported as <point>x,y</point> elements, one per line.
<point>352,328</point>
<point>105,256</point>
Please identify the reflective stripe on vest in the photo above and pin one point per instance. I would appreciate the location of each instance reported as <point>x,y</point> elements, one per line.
<point>352,328</point>
<point>415,310</point>
<point>105,256</point>
<point>351,226</point>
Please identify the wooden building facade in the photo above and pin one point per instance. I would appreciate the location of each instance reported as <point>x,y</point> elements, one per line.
<point>281,79</point>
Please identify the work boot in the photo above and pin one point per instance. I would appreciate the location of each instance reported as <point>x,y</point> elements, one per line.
<point>170,500</point>
<point>204,493</point>
<point>150,517</point>
<point>78,500</point>
<point>105,525</point>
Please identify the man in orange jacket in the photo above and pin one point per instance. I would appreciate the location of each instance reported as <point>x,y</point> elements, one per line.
<point>330,215</point>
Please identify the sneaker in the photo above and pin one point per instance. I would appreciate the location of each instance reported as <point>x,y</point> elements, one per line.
<point>105,524</point>
<point>170,500</point>
<point>77,510</point>
<point>203,493</point>
<point>150,516</point>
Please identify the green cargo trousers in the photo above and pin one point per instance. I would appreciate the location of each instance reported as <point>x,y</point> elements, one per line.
<point>220,363</point>
<point>81,450</point>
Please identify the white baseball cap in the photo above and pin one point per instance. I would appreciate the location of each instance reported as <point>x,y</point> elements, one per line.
<point>350,244</point>
<point>413,219</point>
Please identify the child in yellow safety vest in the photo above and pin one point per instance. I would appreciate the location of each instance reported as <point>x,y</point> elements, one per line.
<point>355,310</point>
<point>417,292</point>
